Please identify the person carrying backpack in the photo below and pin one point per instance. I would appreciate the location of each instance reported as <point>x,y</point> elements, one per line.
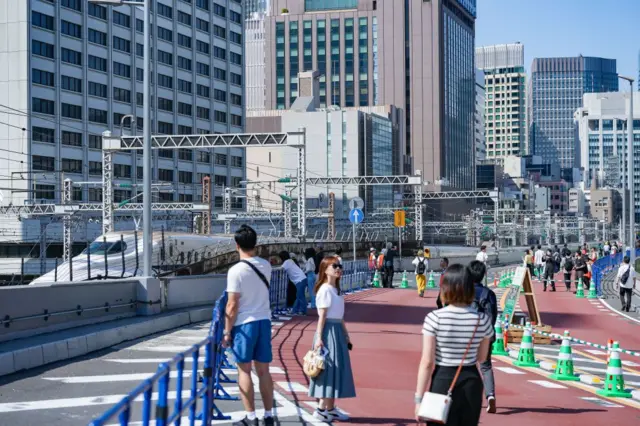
<point>549,271</point>
<point>421,264</point>
<point>580,266</point>
<point>485,302</point>
<point>388,271</point>
<point>567,268</point>
<point>626,282</point>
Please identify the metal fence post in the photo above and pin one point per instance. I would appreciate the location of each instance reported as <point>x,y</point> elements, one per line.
<point>135,240</point>
<point>106,262</point>
<point>122,254</point>
<point>88,260</point>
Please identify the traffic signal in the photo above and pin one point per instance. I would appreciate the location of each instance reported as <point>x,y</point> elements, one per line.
<point>399,220</point>
<point>427,253</point>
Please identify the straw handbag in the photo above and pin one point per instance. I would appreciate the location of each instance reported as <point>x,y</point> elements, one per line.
<point>314,362</point>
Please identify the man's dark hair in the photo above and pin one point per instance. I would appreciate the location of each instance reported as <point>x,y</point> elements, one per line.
<point>457,286</point>
<point>476,271</point>
<point>246,238</point>
<point>445,260</point>
<point>565,245</point>
<point>310,253</point>
<point>339,251</point>
<point>539,246</point>
<point>284,255</point>
<point>483,248</point>
<point>626,259</point>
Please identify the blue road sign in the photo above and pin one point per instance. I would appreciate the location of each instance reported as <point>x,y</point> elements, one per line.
<point>356,216</point>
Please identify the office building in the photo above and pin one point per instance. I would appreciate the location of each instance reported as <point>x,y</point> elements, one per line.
<point>505,106</point>
<point>255,6</point>
<point>602,130</point>
<point>73,69</point>
<point>606,205</point>
<point>480,146</point>
<point>255,61</point>
<point>556,89</point>
<point>415,55</point>
<point>577,204</point>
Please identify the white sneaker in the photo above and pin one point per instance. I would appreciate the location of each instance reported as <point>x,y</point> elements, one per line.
<point>322,415</point>
<point>336,414</point>
<point>491,404</point>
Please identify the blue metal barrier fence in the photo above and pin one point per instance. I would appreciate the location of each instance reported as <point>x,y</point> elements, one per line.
<point>211,366</point>
<point>605,265</point>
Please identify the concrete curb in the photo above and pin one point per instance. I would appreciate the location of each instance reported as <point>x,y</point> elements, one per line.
<point>46,353</point>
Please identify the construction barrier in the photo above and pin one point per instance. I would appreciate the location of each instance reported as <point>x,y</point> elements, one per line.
<point>209,357</point>
<point>604,265</point>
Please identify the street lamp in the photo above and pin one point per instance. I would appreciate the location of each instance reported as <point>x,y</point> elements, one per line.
<point>630,179</point>
<point>146,117</point>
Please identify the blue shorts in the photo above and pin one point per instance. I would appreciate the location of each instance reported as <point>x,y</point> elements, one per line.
<point>252,342</point>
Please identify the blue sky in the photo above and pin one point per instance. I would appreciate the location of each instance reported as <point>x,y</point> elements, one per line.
<point>550,28</point>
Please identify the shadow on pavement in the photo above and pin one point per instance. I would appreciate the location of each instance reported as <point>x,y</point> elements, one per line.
<point>365,312</point>
<point>381,421</point>
<point>507,411</point>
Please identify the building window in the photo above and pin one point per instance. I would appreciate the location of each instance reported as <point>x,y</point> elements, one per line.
<point>43,134</point>
<point>202,25</point>
<point>71,138</point>
<point>121,95</point>
<point>236,120</point>
<point>202,69</point>
<point>122,170</point>
<point>219,31</point>
<point>97,116</point>
<point>165,153</point>
<point>220,116</point>
<point>219,74</point>
<point>220,95</point>
<point>71,29</point>
<point>41,48</point>
<point>221,159</point>
<point>184,18</point>
<point>97,11</point>
<point>95,141</point>
<point>98,64</point>
<point>236,37</point>
<point>202,4</point>
<point>165,104</point>
<point>185,86</point>
<point>165,34</point>
<point>43,21</point>
<point>236,99</point>
<point>72,84</point>
<point>121,44</point>
<point>219,53</point>
<point>219,180</point>
<point>203,91</point>
<point>202,47</point>
<point>165,10</point>
<point>121,69</point>
<point>121,19</point>
<point>72,4</point>
<point>165,175</point>
<point>45,192</point>
<point>184,41</point>
<point>95,168</point>
<point>71,166</point>
<point>203,157</point>
<point>184,109</point>
<point>203,113</point>
<point>236,161</point>
<point>70,56</point>
<point>235,58</point>
<point>43,106</point>
<point>235,17</point>
<point>165,128</point>
<point>120,195</point>
<point>185,177</point>
<point>219,10</point>
<point>44,78</point>
<point>95,194</point>
<point>184,63</point>
<point>97,89</point>
<point>39,162</point>
<point>165,81</point>
<point>236,79</point>
<point>185,130</point>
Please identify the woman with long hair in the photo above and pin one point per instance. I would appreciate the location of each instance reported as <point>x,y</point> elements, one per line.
<point>336,380</point>
<point>299,279</point>
<point>455,337</point>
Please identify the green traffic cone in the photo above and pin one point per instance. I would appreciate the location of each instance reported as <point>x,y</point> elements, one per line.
<point>564,367</point>
<point>580,289</point>
<point>376,279</point>
<point>614,381</point>
<point>503,281</point>
<point>592,291</point>
<point>431,283</point>
<point>405,282</point>
<point>526,354</point>
<point>498,346</point>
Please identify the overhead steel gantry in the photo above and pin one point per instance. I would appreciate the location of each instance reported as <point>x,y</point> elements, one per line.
<point>112,144</point>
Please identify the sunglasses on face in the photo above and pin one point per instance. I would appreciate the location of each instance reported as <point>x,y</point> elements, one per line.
<point>337,266</point>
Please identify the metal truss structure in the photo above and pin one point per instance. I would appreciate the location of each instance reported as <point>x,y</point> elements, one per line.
<point>366,180</point>
<point>206,199</point>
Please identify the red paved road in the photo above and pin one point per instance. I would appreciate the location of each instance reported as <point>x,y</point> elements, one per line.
<point>385,327</point>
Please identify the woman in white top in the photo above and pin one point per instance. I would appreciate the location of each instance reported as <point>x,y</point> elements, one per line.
<point>297,277</point>
<point>447,333</point>
<point>310,270</point>
<point>336,381</point>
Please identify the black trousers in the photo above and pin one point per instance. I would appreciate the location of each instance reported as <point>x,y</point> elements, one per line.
<point>387,276</point>
<point>291,294</point>
<point>466,403</point>
<point>626,293</point>
<point>567,280</point>
<point>548,276</point>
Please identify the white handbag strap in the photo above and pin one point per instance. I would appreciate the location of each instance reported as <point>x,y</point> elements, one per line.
<point>464,357</point>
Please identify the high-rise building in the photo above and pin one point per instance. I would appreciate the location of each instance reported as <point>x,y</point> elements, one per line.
<point>412,54</point>
<point>556,89</point>
<point>505,106</point>
<point>73,69</point>
<point>481,150</point>
<point>255,6</point>
<point>602,129</point>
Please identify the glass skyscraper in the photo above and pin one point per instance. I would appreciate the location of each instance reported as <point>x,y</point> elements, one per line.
<point>556,89</point>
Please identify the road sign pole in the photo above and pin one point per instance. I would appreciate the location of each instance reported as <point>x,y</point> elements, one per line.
<point>400,245</point>
<point>354,242</point>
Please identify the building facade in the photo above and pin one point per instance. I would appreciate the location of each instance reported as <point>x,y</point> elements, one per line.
<point>606,205</point>
<point>76,71</point>
<point>415,55</point>
<point>602,130</point>
<point>505,105</point>
<point>556,89</point>
<point>480,146</point>
<point>255,61</point>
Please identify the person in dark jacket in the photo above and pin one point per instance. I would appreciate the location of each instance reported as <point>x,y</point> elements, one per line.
<point>549,270</point>
<point>318,259</point>
<point>444,264</point>
<point>387,269</point>
<point>486,303</point>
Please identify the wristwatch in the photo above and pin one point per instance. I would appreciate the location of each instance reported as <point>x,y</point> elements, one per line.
<point>226,333</point>
<point>417,398</point>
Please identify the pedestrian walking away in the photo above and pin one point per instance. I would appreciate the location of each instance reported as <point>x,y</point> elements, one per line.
<point>485,302</point>
<point>454,337</point>
<point>421,265</point>
<point>483,257</point>
<point>580,266</point>
<point>567,268</point>
<point>528,262</point>
<point>310,271</point>
<point>248,325</point>
<point>444,264</point>
<point>295,274</point>
<point>626,281</point>
<point>549,270</point>
<point>388,269</point>
<point>336,380</point>
<point>538,262</point>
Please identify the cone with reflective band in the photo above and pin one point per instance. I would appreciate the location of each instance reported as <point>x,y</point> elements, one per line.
<point>405,282</point>
<point>614,381</point>
<point>592,291</point>
<point>503,280</point>
<point>564,367</point>
<point>376,279</point>
<point>431,283</point>
<point>580,289</point>
<point>498,346</point>
<point>526,355</point>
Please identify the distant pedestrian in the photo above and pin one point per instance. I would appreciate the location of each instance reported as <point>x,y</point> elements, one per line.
<point>299,279</point>
<point>528,262</point>
<point>421,265</point>
<point>483,257</point>
<point>373,262</point>
<point>336,381</point>
<point>538,260</point>
<point>567,269</point>
<point>309,269</point>
<point>388,269</point>
<point>626,281</point>
<point>549,270</point>
<point>339,254</point>
<point>565,251</point>
<point>444,264</point>
<point>581,267</point>
<point>606,248</point>
<point>248,325</point>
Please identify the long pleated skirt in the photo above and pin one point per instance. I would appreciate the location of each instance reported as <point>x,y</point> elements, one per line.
<point>336,381</point>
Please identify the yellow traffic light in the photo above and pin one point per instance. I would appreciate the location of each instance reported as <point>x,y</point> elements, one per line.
<point>399,218</point>
<point>427,253</point>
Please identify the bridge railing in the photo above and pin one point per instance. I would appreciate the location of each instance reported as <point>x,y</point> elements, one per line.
<point>209,357</point>
<point>605,265</point>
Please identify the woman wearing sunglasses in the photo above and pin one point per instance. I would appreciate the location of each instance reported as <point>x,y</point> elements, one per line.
<point>336,381</point>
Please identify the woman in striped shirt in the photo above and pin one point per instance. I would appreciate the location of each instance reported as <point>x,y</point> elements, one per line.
<point>446,336</point>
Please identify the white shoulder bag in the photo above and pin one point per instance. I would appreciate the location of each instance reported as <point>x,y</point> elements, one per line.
<point>435,406</point>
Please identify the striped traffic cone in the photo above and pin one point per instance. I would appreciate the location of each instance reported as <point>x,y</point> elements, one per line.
<point>580,289</point>
<point>431,283</point>
<point>564,367</point>
<point>614,381</point>
<point>503,281</point>
<point>498,346</point>
<point>404,283</point>
<point>376,279</point>
<point>526,354</point>
<point>592,291</point>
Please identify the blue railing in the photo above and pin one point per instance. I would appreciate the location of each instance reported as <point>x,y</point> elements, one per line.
<point>209,358</point>
<point>605,265</point>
